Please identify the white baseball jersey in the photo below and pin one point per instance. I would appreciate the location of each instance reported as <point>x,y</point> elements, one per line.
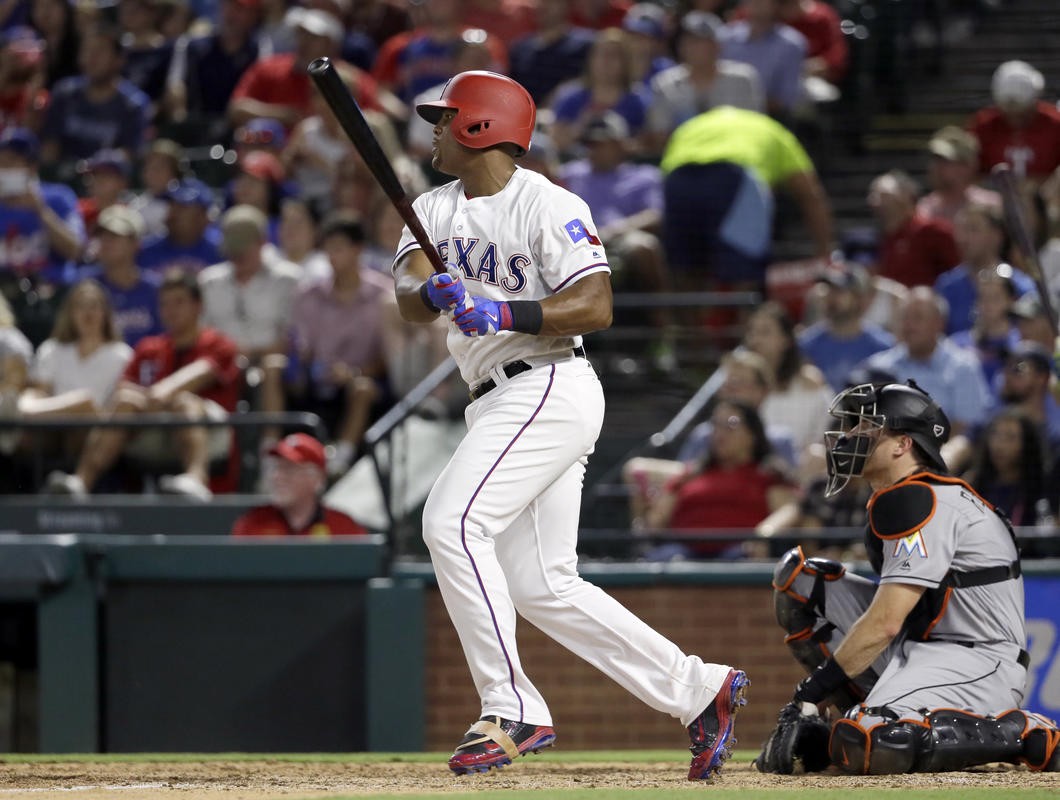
<point>528,241</point>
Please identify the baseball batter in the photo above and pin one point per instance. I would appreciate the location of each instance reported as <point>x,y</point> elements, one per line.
<point>930,665</point>
<point>528,276</point>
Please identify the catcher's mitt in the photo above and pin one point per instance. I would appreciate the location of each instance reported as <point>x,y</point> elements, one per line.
<point>801,736</point>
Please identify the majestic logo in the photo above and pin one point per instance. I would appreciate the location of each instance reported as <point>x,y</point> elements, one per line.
<point>911,545</point>
<point>577,231</point>
<point>938,431</point>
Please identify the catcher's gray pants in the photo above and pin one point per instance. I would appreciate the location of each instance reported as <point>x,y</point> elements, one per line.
<point>914,677</point>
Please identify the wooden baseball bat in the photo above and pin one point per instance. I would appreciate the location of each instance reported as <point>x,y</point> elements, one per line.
<point>1016,218</point>
<point>340,100</point>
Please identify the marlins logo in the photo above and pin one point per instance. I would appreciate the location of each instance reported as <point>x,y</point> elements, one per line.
<point>913,544</point>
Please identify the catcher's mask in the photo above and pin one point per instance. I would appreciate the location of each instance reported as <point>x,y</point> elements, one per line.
<point>865,411</point>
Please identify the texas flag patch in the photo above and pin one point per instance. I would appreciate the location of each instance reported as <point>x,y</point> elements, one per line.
<point>577,231</point>
<point>910,545</point>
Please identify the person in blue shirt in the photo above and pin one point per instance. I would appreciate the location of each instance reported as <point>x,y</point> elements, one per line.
<point>133,294</point>
<point>843,338</point>
<point>979,231</point>
<point>191,241</point>
<point>994,334</point>
<point>97,109</point>
<point>41,230</point>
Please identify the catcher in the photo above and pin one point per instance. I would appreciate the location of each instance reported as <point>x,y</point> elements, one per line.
<point>929,665</point>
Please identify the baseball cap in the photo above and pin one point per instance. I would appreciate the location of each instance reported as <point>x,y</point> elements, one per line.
<point>262,164</point>
<point>300,448</point>
<point>20,140</point>
<point>122,220</point>
<point>261,132</point>
<point>109,159</point>
<point>702,24</point>
<point>1029,306</point>
<point>241,227</point>
<point>1016,83</point>
<point>647,19</point>
<point>25,42</point>
<point>954,144</point>
<point>1030,353</point>
<point>608,127</point>
<point>852,276</point>
<point>315,21</point>
<point>190,191</point>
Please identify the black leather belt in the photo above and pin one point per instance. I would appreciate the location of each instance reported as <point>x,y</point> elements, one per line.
<point>511,369</point>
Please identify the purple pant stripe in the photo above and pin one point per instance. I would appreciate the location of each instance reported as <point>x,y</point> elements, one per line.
<point>471,558</point>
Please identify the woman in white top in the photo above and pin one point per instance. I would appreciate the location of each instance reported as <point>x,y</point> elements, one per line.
<point>801,395</point>
<point>75,372</point>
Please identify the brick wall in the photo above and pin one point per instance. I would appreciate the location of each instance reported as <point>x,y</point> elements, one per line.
<point>724,624</point>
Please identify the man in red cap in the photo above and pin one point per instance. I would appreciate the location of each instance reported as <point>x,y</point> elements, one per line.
<point>296,480</point>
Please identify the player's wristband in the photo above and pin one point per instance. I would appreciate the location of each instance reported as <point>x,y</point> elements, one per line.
<point>822,682</point>
<point>527,316</point>
<point>426,298</point>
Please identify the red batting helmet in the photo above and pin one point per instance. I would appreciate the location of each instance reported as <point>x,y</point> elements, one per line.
<point>490,109</point>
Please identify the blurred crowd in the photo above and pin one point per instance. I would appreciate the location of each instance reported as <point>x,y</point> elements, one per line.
<point>187,231</point>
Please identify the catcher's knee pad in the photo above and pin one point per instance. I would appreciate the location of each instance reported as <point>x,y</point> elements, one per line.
<point>1040,738</point>
<point>947,739</point>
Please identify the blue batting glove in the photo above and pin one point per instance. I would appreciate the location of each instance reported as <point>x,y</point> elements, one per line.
<point>446,291</point>
<point>484,317</point>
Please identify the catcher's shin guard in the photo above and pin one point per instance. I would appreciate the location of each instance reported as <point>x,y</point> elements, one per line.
<point>808,632</point>
<point>947,740</point>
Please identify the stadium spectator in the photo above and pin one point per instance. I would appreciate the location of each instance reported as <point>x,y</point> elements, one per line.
<point>97,109</point>
<point>205,70</point>
<point>913,250</point>
<point>700,81</point>
<point>16,353</point>
<point>626,203</point>
<point>190,371</point>
<point>260,182</point>
<point>191,241</point>
<point>316,148</point>
<point>106,177</point>
<point>161,167</point>
<point>827,54</point>
<point>607,84</point>
<point>1009,465</point>
<point>1032,321</point>
<point>413,61</point>
<point>951,375</point>
<point>56,23</point>
<point>992,335</point>
<point>720,169</point>
<point>736,486</point>
<point>980,234</point>
<point>147,51</point>
<point>599,14</point>
<point>43,232</point>
<point>952,166</point>
<point>843,338</point>
<point>278,86</point>
<point>776,51</point>
<point>337,360</point>
<point>648,31</point>
<point>23,97</point>
<point>1026,383</point>
<point>1020,129</point>
<point>248,298</point>
<point>507,20</point>
<point>297,241</point>
<point>554,53</point>
<point>133,294</point>
<point>296,479</point>
<point>76,370</point>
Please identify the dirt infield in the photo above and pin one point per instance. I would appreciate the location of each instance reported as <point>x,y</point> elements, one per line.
<point>262,780</point>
